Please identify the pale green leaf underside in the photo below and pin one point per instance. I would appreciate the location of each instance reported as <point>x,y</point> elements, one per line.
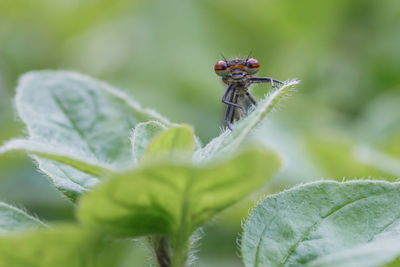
<point>90,118</point>
<point>59,246</point>
<point>60,154</point>
<point>157,199</point>
<point>229,141</point>
<point>13,219</point>
<point>325,224</point>
<point>142,136</point>
<point>68,180</point>
<point>176,143</point>
<point>376,253</point>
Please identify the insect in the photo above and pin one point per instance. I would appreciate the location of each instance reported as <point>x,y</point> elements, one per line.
<point>238,75</point>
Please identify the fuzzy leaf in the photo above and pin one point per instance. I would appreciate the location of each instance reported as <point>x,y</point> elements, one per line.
<point>68,180</point>
<point>325,223</point>
<point>13,219</point>
<point>79,121</point>
<point>59,154</point>
<point>174,143</point>
<point>228,141</point>
<point>142,136</point>
<point>169,198</point>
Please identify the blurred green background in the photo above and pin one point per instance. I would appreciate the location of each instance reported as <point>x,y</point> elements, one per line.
<point>346,54</point>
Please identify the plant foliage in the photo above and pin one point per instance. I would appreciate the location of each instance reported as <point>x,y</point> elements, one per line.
<point>325,223</point>
<point>130,171</point>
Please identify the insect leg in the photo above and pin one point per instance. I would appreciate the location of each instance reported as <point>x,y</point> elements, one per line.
<point>234,109</point>
<point>230,102</point>
<point>228,109</point>
<point>264,80</point>
<point>232,115</point>
<point>251,98</point>
<point>226,92</point>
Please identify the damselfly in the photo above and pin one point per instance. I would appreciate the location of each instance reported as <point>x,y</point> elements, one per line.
<point>238,75</point>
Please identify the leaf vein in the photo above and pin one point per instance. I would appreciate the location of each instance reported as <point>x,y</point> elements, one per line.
<point>385,227</point>
<point>308,231</point>
<point>73,124</point>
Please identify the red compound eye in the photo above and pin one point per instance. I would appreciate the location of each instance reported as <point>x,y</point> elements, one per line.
<point>252,66</point>
<point>253,63</point>
<point>220,66</point>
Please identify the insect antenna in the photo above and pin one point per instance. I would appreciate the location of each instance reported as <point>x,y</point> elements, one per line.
<point>249,55</point>
<point>224,58</point>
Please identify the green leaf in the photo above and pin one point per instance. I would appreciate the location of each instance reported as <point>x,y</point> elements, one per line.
<point>142,136</point>
<point>13,219</point>
<point>377,253</point>
<point>64,245</point>
<point>229,141</point>
<point>169,198</point>
<point>91,117</point>
<point>68,180</point>
<point>60,154</point>
<point>173,144</point>
<point>355,223</point>
<point>76,120</point>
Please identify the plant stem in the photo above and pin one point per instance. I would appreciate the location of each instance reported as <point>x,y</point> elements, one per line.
<point>180,250</point>
<point>180,244</point>
<point>162,251</point>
